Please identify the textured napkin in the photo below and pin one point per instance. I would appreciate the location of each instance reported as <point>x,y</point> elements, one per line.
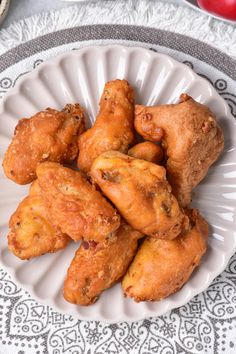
<point>152,13</point>
<point>207,324</point>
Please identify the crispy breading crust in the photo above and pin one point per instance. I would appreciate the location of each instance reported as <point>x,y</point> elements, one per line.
<point>192,141</point>
<point>113,128</point>
<point>75,206</point>
<point>140,192</point>
<point>96,267</point>
<point>31,233</point>
<point>162,267</point>
<point>147,151</point>
<point>49,135</point>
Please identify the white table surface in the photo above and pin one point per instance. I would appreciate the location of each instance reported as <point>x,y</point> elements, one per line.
<point>20,9</point>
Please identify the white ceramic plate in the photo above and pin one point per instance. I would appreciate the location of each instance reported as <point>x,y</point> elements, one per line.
<point>79,76</point>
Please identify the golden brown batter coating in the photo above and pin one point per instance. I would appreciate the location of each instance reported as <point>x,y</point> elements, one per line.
<point>96,267</point>
<point>147,151</point>
<point>192,141</point>
<point>140,192</point>
<point>49,135</point>
<point>113,128</point>
<point>161,267</point>
<point>31,233</point>
<point>35,188</point>
<point>75,206</point>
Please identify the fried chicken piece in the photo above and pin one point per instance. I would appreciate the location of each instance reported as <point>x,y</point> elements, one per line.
<point>147,151</point>
<point>140,192</point>
<point>49,135</point>
<point>192,141</point>
<point>31,233</point>
<point>97,266</point>
<point>75,206</point>
<point>113,128</point>
<point>162,267</point>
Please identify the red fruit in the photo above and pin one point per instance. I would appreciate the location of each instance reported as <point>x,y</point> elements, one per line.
<point>224,8</point>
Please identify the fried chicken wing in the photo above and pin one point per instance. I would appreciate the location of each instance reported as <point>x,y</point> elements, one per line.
<point>140,192</point>
<point>192,141</point>
<point>49,135</point>
<point>31,232</point>
<point>75,206</point>
<point>113,128</point>
<point>161,267</point>
<point>147,151</point>
<point>97,266</point>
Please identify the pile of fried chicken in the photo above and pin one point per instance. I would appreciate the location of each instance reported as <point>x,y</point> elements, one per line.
<point>127,202</point>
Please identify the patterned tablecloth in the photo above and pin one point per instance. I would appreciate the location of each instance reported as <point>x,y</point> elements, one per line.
<point>207,324</point>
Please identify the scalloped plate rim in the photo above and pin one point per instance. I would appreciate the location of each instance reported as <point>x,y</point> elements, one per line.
<point>123,316</point>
